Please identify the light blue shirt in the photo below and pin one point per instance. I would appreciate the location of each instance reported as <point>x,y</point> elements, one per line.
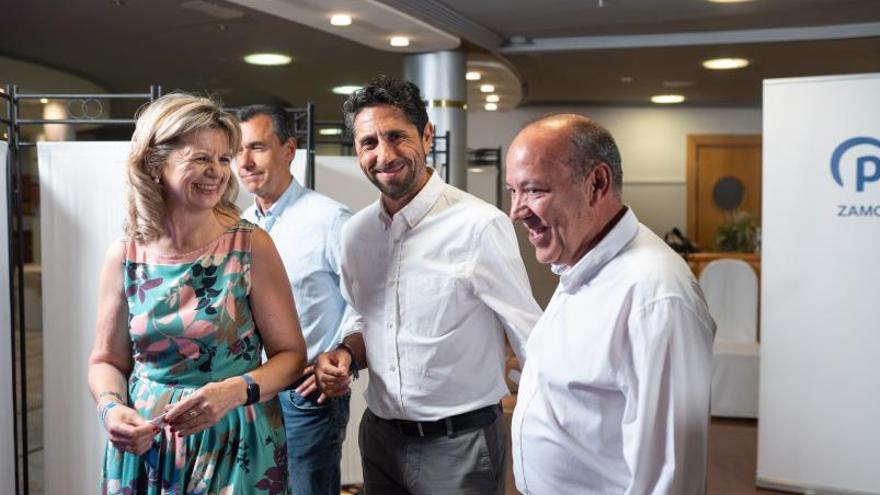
<point>307,227</point>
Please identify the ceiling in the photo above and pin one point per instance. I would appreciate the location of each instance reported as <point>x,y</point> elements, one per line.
<point>562,51</point>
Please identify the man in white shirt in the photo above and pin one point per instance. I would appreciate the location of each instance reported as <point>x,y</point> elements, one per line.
<point>306,227</point>
<point>437,276</point>
<point>614,398</point>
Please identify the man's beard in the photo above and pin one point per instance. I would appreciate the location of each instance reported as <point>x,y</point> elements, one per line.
<point>397,188</point>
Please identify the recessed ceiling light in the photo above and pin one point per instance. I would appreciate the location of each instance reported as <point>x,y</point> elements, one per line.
<point>345,90</point>
<point>667,99</point>
<point>725,63</point>
<point>492,98</point>
<point>340,20</point>
<point>330,131</point>
<point>399,41</point>
<point>678,84</point>
<point>487,88</point>
<point>44,100</point>
<point>268,59</point>
<point>473,76</point>
<point>491,107</point>
<point>626,79</point>
<point>729,1</point>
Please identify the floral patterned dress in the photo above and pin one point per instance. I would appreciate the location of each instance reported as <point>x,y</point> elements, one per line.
<point>190,324</point>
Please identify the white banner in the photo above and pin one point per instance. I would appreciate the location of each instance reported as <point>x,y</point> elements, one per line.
<point>7,445</point>
<point>820,348</point>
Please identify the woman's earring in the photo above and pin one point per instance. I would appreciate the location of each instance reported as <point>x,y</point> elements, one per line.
<point>156,179</point>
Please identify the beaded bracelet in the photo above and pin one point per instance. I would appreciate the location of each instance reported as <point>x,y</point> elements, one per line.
<point>105,409</point>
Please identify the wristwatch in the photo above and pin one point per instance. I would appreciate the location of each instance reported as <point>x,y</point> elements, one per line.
<point>353,369</point>
<point>253,390</point>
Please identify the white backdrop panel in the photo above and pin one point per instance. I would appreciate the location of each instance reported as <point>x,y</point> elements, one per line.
<point>820,372</point>
<point>82,208</point>
<point>7,446</point>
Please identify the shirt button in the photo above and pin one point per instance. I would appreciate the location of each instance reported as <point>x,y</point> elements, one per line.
<point>392,368</point>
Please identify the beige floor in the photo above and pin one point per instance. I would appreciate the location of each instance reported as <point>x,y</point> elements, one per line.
<point>732,443</point>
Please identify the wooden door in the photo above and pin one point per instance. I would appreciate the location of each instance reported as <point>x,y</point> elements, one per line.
<point>717,165</point>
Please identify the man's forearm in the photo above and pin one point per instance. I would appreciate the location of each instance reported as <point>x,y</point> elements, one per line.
<point>355,342</point>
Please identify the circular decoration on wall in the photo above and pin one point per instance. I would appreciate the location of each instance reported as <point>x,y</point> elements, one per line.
<point>728,193</point>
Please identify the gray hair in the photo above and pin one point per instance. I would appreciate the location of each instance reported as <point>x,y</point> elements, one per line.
<point>592,144</point>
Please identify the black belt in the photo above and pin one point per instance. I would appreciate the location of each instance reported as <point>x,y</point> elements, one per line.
<point>450,426</point>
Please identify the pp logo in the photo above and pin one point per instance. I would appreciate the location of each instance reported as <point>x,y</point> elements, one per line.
<point>867,165</point>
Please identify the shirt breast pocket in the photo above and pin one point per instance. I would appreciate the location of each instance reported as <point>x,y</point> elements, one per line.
<point>427,304</point>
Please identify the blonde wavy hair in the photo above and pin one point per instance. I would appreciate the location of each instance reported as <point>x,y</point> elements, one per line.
<point>161,126</point>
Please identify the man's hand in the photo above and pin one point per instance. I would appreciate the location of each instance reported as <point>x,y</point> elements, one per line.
<point>332,375</point>
<point>309,385</point>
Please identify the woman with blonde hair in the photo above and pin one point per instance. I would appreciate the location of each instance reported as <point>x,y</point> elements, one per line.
<point>186,302</point>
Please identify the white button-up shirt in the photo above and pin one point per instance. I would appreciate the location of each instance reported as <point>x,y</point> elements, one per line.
<point>435,285</point>
<point>615,396</point>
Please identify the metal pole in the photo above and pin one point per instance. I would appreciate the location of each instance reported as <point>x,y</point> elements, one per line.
<point>18,256</point>
<point>10,130</point>
<point>310,145</point>
<point>498,180</point>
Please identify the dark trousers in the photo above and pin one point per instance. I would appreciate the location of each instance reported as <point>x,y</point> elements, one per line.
<point>470,462</point>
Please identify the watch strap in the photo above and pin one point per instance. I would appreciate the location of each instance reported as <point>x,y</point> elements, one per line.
<point>253,389</point>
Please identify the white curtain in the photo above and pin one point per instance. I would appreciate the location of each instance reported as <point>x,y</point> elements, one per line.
<point>82,196</point>
<point>7,446</point>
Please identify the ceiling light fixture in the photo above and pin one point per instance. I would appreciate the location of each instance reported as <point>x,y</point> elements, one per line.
<point>268,59</point>
<point>487,88</point>
<point>626,79</point>
<point>491,107</point>
<point>667,99</point>
<point>399,41</point>
<point>345,90</point>
<point>44,100</point>
<point>340,20</point>
<point>725,63</point>
<point>473,76</point>
<point>330,131</point>
<point>492,98</point>
<point>729,1</point>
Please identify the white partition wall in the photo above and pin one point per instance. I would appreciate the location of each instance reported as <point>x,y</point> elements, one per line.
<point>7,445</point>
<point>82,206</point>
<point>819,427</point>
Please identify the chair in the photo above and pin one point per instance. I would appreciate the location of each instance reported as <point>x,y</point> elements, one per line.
<point>731,290</point>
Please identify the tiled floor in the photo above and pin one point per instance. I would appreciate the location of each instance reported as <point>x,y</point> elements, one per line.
<point>732,443</point>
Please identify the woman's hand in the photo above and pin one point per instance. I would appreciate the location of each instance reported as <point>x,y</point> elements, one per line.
<point>128,431</point>
<point>206,406</point>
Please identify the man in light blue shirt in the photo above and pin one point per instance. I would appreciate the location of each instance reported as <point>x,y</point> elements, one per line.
<point>306,227</point>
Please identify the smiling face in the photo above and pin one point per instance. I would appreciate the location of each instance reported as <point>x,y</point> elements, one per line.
<point>390,151</point>
<point>197,172</point>
<point>264,161</point>
<point>547,198</point>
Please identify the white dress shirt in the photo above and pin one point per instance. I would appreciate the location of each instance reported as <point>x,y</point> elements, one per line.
<point>615,396</point>
<point>307,227</point>
<point>435,285</point>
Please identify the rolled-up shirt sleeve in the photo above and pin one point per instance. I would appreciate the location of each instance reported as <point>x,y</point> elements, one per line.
<point>500,281</point>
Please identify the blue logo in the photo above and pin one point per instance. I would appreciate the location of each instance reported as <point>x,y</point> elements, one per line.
<point>867,166</point>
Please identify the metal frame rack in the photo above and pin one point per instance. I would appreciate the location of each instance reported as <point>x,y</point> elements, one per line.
<point>91,109</point>
<point>489,157</point>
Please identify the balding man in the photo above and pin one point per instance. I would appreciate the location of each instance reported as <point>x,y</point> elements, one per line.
<point>614,397</point>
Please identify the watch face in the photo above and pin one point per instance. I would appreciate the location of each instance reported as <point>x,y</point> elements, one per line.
<point>253,393</point>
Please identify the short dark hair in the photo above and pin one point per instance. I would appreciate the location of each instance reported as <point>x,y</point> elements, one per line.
<point>281,121</point>
<point>592,144</point>
<point>386,90</point>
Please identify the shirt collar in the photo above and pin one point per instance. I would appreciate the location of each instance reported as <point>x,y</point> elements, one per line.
<point>420,205</point>
<point>572,278</point>
<point>293,192</point>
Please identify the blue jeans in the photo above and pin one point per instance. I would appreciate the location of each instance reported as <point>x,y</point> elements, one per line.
<point>314,442</point>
